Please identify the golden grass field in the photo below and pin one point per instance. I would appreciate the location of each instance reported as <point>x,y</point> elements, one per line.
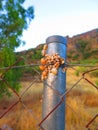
<point>81,106</point>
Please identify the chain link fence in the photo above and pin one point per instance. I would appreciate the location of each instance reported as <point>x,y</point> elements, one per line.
<point>23,109</point>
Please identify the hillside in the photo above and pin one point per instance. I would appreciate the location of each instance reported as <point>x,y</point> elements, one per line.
<point>90,51</point>
<point>91,37</point>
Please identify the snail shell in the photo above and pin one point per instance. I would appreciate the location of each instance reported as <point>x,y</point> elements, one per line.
<point>43,52</point>
<point>45,72</point>
<point>43,61</point>
<point>62,61</point>
<point>45,47</point>
<point>42,67</point>
<point>54,71</point>
<point>56,65</point>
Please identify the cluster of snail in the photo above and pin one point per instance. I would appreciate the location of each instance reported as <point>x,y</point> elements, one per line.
<point>50,64</point>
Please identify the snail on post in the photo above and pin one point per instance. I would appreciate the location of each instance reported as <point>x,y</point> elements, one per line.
<point>44,50</point>
<point>50,64</point>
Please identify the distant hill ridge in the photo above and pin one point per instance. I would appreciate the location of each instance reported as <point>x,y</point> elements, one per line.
<point>90,36</point>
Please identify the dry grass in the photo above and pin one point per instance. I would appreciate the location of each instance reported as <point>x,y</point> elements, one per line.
<point>20,118</point>
<point>80,110</point>
<point>82,105</point>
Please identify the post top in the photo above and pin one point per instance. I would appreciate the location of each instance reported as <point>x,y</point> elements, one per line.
<point>56,38</point>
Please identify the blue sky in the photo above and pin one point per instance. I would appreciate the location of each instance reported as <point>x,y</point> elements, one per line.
<point>59,17</point>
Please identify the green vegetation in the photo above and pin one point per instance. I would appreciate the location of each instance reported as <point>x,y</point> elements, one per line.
<point>80,70</point>
<point>83,48</point>
<point>37,54</point>
<point>32,70</point>
<point>83,51</point>
<point>91,61</point>
<point>14,18</point>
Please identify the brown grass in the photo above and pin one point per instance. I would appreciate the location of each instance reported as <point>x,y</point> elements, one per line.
<point>77,112</point>
<point>20,118</point>
<point>81,107</point>
<point>80,110</point>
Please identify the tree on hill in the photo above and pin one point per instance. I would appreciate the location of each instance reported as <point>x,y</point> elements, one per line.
<point>14,18</point>
<point>83,48</point>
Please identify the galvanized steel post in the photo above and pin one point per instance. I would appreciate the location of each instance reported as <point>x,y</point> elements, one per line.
<point>56,120</point>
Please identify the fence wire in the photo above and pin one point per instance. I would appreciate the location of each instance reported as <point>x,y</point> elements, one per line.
<point>29,99</point>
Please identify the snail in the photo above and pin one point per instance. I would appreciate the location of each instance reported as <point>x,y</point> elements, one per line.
<point>42,67</point>
<point>56,65</point>
<point>43,52</point>
<point>54,71</point>
<point>44,74</point>
<point>50,63</point>
<point>62,61</point>
<point>43,61</point>
<point>45,47</point>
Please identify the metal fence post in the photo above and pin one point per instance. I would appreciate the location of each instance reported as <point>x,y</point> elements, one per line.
<point>56,120</point>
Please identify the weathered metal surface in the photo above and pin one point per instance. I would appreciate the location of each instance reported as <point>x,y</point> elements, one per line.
<point>53,86</point>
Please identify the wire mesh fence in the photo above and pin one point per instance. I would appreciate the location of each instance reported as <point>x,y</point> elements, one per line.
<point>22,110</point>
